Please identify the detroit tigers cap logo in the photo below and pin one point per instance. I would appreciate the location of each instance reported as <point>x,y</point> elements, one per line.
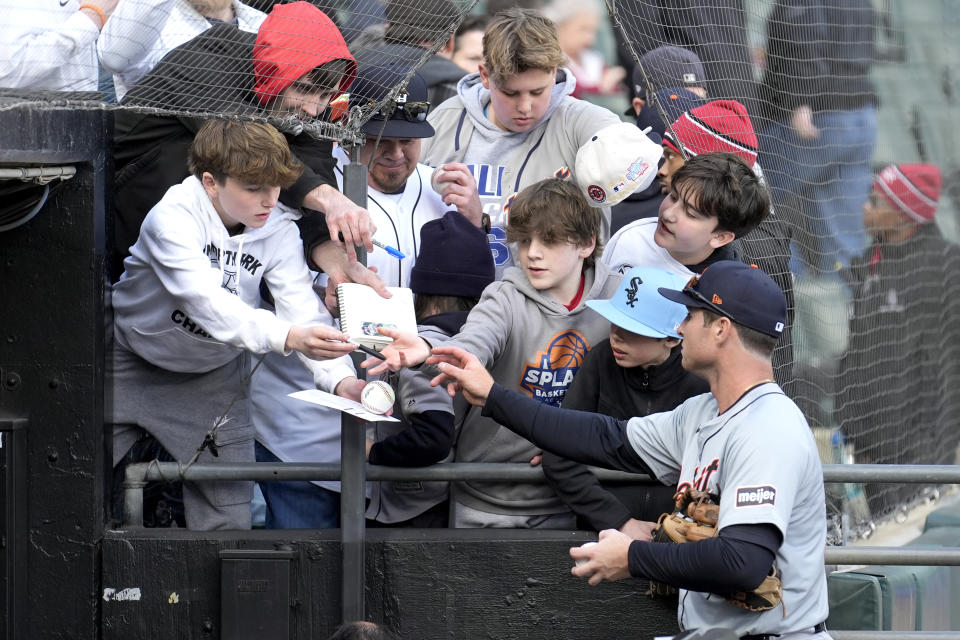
<point>756,496</point>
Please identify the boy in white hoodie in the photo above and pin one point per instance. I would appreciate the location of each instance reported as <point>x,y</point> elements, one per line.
<point>185,312</point>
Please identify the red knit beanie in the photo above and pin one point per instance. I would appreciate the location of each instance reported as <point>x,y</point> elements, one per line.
<point>721,125</point>
<point>913,189</point>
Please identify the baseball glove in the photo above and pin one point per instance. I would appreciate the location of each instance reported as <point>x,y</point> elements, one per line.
<point>695,519</point>
<point>765,597</point>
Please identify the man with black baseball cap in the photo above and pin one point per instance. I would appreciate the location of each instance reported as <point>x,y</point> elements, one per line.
<point>745,442</point>
<point>399,192</point>
<point>400,201</point>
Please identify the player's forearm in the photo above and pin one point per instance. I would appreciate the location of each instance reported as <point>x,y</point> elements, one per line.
<point>589,438</point>
<point>718,565</point>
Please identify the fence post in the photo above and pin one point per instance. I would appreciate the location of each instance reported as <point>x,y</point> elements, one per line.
<point>353,456</point>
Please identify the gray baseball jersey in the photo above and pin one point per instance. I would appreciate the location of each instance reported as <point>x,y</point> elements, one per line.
<point>761,458</point>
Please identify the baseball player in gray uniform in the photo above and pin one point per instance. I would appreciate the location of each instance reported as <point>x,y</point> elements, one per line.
<point>745,442</point>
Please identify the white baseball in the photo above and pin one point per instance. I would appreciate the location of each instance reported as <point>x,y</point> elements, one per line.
<point>377,397</point>
<point>436,182</point>
<point>581,561</point>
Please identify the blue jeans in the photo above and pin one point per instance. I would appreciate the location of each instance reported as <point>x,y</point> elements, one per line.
<point>829,179</point>
<point>297,505</point>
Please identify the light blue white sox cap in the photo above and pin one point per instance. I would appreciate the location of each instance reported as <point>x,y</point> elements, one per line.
<point>638,307</point>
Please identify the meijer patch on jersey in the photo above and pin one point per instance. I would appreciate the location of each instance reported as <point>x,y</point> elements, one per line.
<point>756,496</point>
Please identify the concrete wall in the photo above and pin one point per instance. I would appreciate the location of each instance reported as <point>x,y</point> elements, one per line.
<point>423,584</point>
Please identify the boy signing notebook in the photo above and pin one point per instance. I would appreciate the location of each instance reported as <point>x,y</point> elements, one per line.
<point>185,312</point>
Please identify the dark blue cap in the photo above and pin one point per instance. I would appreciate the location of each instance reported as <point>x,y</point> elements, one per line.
<point>373,84</point>
<point>739,291</point>
<point>667,67</point>
<point>454,259</point>
<point>672,102</point>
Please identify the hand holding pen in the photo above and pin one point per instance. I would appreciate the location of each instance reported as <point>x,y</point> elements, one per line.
<point>396,253</point>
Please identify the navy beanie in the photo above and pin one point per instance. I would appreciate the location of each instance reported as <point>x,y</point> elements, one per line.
<point>454,259</point>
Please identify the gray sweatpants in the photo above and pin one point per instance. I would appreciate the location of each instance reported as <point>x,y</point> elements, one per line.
<point>178,409</point>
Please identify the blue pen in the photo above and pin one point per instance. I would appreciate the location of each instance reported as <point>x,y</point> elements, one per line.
<point>396,253</point>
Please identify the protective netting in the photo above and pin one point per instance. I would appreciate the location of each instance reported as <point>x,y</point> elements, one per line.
<point>833,91</point>
<point>164,57</point>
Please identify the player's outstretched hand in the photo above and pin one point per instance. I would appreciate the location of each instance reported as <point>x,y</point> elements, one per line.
<point>406,350</point>
<point>317,342</point>
<point>462,371</point>
<point>606,560</point>
<point>459,189</point>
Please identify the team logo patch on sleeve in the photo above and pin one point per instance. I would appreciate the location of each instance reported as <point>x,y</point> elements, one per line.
<point>756,496</point>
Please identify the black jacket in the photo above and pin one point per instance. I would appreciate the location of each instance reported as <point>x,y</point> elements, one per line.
<point>602,386</point>
<point>639,204</point>
<point>429,435</point>
<point>898,391</point>
<point>768,247</point>
<point>819,54</point>
<point>210,73</point>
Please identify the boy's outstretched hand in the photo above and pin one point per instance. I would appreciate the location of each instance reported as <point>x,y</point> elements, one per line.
<point>463,372</point>
<point>406,350</point>
<point>317,342</point>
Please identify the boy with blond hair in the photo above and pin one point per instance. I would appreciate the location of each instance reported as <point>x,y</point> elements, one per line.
<point>532,330</point>
<point>185,312</point>
<point>514,122</point>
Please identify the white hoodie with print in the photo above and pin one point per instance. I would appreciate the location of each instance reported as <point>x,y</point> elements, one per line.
<point>187,300</point>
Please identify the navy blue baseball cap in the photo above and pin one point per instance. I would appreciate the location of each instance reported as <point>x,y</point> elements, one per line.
<point>403,117</point>
<point>667,67</point>
<point>739,291</point>
<point>673,102</point>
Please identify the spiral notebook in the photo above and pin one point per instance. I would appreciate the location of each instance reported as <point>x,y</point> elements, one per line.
<point>363,311</point>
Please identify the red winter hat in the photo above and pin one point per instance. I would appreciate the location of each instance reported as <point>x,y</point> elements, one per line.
<point>913,189</point>
<point>293,40</point>
<point>721,125</point>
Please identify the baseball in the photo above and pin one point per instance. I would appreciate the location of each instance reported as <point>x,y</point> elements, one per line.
<point>377,397</point>
<point>437,182</point>
<point>581,561</point>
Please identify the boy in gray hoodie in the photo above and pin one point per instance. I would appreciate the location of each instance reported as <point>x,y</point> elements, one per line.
<point>532,330</point>
<point>514,122</point>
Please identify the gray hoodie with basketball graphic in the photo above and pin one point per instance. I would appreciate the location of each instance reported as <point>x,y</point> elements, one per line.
<point>531,343</point>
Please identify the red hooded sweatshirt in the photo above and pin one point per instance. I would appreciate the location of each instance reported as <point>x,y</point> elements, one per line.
<point>293,40</point>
